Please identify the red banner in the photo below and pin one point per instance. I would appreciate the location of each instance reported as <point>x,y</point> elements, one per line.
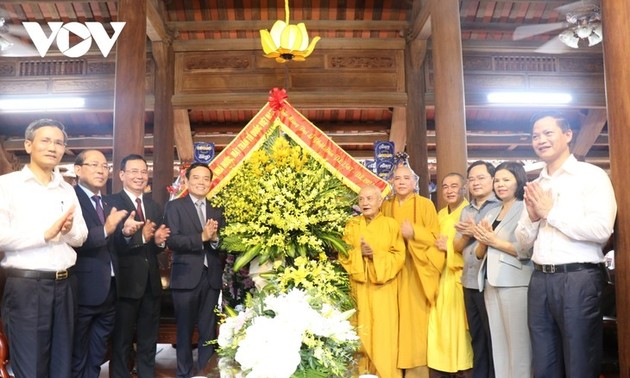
<point>225,165</point>
<point>278,112</point>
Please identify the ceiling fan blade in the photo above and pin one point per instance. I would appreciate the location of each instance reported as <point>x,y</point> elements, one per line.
<point>18,30</point>
<point>578,7</point>
<point>19,48</point>
<point>527,31</point>
<point>554,46</point>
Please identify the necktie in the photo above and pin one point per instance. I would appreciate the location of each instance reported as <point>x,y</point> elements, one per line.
<point>202,217</point>
<point>99,209</point>
<point>139,210</point>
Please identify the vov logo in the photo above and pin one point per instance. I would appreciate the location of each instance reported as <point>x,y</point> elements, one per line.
<point>61,32</point>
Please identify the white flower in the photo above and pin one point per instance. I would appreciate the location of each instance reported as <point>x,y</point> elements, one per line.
<point>232,326</point>
<point>269,350</point>
<point>280,331</point>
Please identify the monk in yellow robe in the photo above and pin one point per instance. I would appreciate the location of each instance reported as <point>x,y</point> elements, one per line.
<point>376,255</point>
<point>450,348</point>
<point>419,278</point>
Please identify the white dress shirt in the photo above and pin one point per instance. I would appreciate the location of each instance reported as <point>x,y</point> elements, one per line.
<point>581,220</point>
<point>27,210</point>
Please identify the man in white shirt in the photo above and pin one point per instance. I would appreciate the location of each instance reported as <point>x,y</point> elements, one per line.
<point>40,222</point>
<point>569,215</point>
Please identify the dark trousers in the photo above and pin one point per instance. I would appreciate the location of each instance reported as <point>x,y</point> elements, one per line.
<point>142,318</point>
<point>38,317</point>
<point>94,325</point>
<point>565,323</point>
<point>196,306</point>
<point>479,327</point>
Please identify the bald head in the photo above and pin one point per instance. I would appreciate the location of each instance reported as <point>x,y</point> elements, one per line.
<point>92,169</point>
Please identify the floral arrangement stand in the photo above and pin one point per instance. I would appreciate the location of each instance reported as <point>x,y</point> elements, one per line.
<point>287,192</point>
<point>296,326</point>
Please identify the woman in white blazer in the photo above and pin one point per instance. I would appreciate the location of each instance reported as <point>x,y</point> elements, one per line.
<point>506,270</point>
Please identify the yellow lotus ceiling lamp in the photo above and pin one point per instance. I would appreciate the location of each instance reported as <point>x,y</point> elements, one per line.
<point>287,42</point>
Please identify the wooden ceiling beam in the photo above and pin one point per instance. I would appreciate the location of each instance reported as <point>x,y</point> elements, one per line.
<point>590,130</point>
<point>156,28</point>
<point>311,25</point>
<point>183,135</point>
<point>246,44</point>
<point>398,133</point>
<point>421,23</point>
<point>323,100</point>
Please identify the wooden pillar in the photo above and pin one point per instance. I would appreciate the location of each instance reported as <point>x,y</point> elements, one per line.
<point>616,45</point>
<point>129,107</point>
<point>8,162</point>
<point>448,69</point>
<point>415,52</point>
<point>163,129</point>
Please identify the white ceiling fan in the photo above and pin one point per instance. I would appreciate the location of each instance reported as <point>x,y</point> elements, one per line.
<point>12,37</point>
<point>582,28</point>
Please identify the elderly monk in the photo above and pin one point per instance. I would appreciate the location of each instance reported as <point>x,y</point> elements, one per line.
<point>376,256</point>
<point>419,279</point>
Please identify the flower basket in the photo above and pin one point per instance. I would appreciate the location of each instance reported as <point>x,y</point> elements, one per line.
<point>297,326</point>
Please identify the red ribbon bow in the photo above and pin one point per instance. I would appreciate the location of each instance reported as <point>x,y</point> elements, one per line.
<point>277,97</point>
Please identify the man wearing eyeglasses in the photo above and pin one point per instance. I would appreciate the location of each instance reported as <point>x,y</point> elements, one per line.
<point>96,266</point>
<point>40,222</point>
<point>138,281</point>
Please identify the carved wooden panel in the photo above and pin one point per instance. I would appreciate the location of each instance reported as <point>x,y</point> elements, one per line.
<point>351,70</point>
<point>101,68</point>
<point>525,63</point>
<point>350,81</point>
<point>477,63</point>
<point>586,64</point>
<point>83,85</point>
<point>7,69</point>
<point>23,86</point>
<point>361,62</point>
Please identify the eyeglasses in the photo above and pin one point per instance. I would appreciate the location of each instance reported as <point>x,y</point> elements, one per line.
<point>48,141</point>
<point>95,165</point>
<point>136,172</point>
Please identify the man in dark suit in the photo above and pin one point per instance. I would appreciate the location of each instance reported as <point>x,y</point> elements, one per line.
<point>95,267</point>
<point>138,281</point>
<point>196,276</point>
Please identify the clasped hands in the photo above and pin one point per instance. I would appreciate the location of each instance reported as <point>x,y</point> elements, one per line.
<point>149,230</point>
<point>482,231</point>
<point>209,232</point>
<point>62,225</point>
<point>537,201</point>
<point>366,250</point>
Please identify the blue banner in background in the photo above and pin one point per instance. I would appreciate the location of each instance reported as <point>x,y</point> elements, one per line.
<point>204,152</point>
<point>384,151</point>
<point>384,158</point>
